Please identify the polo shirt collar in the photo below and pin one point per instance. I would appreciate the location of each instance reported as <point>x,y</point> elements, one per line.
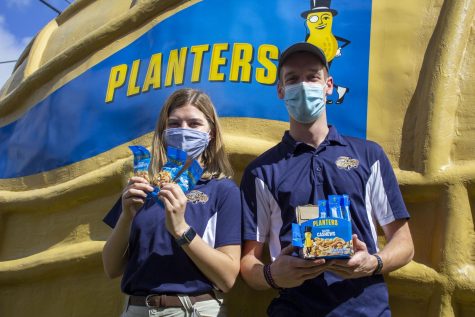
<point>335,137</point>
<point>332,138</point>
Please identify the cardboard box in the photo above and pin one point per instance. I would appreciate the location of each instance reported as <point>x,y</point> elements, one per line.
<point>319,236</point>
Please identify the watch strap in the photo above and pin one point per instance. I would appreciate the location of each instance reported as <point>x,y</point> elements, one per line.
<point>186,237</point>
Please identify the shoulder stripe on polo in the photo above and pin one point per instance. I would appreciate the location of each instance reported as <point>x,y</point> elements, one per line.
<point>269,218</point>
<point>379,202</point>
<point>209,235</point>
<point>369,213</point>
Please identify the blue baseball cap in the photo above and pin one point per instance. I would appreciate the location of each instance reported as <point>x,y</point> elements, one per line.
<point>301,47</point>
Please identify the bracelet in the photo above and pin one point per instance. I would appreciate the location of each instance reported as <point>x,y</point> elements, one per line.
<point>379,267</point>
<point>268,277</point>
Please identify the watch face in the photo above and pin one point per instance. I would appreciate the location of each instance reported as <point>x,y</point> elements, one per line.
<point>186,237</point>
<point>190,234</point>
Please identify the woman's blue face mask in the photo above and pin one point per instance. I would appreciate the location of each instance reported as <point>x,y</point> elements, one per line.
<point>192,141</point>
<point>305,102</point>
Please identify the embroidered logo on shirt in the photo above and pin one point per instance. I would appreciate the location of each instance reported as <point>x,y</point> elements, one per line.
<point>346,163</point>
<point>195,196</point>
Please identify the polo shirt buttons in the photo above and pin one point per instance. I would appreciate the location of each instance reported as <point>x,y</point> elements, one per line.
<point>319,169</point>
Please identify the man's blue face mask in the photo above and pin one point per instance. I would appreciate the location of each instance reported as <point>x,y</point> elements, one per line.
<point>305,102</point>
<point>192,141</point>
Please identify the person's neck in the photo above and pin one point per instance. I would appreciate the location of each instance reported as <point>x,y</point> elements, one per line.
<point>312,134</point>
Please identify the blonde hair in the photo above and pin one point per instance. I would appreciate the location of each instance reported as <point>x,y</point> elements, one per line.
<point>214,158</point>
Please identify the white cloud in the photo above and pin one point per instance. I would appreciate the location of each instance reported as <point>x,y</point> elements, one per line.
<point>10,49</point>
<point>18,3</point>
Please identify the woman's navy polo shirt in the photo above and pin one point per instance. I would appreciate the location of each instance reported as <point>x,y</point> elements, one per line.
<point>156,263</point>
<point>293,174</point>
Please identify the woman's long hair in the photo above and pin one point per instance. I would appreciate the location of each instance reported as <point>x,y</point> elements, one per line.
<point>214,158</point>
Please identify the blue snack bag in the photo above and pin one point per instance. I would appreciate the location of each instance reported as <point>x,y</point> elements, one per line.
<point>334,206</point>
<point>141,164</point>
<point>297,240</point>
<point>322,208</point>
<point>174,171</point>
<point>188,179</point>
<point>345,203</point>
<point>175,157</point>
<point>175,162</point>
<point>141,160</point>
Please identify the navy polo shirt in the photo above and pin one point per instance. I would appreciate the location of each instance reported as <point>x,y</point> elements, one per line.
<point>292,174</point>
<point>156,264</point>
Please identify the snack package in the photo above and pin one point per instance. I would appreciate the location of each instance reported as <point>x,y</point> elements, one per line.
<point>345,201</point>
<point>172,171</point>
<point>324,231</point>
<point>141,160</point>
<point>175,161</point>
<point>188,179</point>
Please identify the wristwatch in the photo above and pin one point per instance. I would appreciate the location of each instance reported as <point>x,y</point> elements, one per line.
<point>379,267</point>
<point>186,237</point>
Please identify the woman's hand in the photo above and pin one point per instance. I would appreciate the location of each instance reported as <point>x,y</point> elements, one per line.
<point>174,201</point>
<point>115,253</point>
<point>134,195</point>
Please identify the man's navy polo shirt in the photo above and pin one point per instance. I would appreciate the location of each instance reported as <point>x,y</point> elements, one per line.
<point>156,264</point>
<point>292,174</point>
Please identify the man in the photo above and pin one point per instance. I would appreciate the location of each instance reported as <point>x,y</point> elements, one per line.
<point>311,162</point>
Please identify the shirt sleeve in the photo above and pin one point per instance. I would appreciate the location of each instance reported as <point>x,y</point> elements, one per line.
<point>229,215</point>
<point>385,196</point>
<point>255,208</point>
<point>113,215</point>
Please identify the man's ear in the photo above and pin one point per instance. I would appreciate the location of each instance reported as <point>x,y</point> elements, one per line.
<point>280,90</point>
<point>329,84</point>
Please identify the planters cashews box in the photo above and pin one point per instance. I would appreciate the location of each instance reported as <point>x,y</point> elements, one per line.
<point>324,231</point>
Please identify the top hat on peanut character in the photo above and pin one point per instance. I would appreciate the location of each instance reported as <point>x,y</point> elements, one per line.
<point>319,6</point>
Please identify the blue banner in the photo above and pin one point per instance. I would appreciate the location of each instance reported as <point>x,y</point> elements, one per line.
<point>229,49</point>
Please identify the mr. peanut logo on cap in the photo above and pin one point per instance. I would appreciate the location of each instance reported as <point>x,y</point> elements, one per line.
<point>319,24</point>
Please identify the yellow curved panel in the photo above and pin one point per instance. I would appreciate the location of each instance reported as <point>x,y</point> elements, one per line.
<point>420,109</point>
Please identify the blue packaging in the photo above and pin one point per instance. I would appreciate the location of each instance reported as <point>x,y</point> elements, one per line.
<point>345,202</point>
<point>172,171</point>
<point>188,179</point>
<point>322,208</point>
<point>175,171</point>
<point>334,206</point>
<point>141,160</point>
<point>328,234</point>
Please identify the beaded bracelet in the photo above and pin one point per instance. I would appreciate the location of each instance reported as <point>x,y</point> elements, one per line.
<point>379,267</point>
<point>268,277</point>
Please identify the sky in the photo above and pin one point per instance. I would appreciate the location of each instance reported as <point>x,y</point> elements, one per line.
<point>20,21</point>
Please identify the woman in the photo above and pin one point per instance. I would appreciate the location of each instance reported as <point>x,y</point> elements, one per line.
<point>176,257</point>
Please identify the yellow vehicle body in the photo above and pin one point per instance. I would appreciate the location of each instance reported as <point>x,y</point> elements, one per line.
<point>420,109</point>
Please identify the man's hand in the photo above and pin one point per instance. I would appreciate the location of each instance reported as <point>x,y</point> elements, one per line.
<point>289,271</point>
<point>360,264</point>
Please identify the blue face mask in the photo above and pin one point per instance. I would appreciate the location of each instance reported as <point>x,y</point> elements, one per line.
<point>193,142</point>
<point>304,101</point>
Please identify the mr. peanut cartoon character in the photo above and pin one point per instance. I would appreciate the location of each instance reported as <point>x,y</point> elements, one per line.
<point>308,241</point>
<point>319,23</point>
